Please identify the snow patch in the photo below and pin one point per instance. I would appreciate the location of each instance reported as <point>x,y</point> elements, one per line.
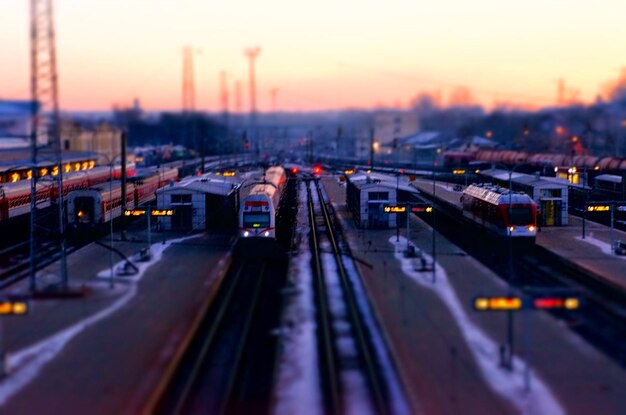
<point>604,246</point>
<point>508,384</point>
<point>26,364</point>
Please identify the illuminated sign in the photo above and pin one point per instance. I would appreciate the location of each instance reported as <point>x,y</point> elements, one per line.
<point>394,209</point>
<point>229,173</point>
<point>348,172</point>
<point>551,303</point>
<point>533,302</point>
<point>13,306</point>
<point>599,208</point>
<point>498,303</point>
<point>621,208</point>
<point>424,208</point>
<point>459,171</point>
<point>162,212</point>
<point>256,225</point>
<point>135,212</point>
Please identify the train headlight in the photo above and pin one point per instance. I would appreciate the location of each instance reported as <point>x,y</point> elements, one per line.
<point>80,214</point>
<point>511,229</point>
<point>246,234</point>
<point>267,233</point>
<point>531,228</point>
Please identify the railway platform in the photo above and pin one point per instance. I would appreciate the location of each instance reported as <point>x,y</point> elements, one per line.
<point>445,366</point>
<point>107,352</point>
<point>591,254</point>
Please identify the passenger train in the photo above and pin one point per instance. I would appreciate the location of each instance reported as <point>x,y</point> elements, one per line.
<point>15,197</point>
<point>488,207</point>
<point>97,205</point>
<point>257,213</point>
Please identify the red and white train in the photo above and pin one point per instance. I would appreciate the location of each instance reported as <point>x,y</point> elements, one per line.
<point>488,207</point>
<point>15,197</point>
<point>257,213</point>
<point>99,204</point>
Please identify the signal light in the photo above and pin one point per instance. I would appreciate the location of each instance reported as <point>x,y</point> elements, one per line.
<point>294,170</point>
<point>317,170</point>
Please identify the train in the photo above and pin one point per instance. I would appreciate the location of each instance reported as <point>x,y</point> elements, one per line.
<point>501,213</point>
<point>453,159</point>
<point>257,212</point>
<point>15,197</point>
<point>97,205</point>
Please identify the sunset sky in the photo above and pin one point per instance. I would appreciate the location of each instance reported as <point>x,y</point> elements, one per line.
<point>321,54</point>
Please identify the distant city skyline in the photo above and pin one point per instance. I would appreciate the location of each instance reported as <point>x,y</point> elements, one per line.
<point>321,55</point>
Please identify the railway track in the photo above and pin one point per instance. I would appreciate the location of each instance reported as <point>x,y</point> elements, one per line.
<point>229,364</point>
<point>336,361</point>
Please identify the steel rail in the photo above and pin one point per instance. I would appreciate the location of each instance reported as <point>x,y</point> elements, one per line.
<point>358,324</point>
<point>324,314</point>
<point>206,345</point>
<point>234,374</point>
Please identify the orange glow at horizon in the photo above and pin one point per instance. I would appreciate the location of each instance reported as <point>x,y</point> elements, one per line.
<point>323,55</point>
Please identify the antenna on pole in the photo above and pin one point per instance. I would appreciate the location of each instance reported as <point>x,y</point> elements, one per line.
<point>45,131</point>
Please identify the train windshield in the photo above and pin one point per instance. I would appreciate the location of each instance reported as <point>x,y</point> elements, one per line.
<point>256,220</point>
<point>521,216</point>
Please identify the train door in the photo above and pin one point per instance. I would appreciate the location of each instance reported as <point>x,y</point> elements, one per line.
<point>83,210</point>
<point>376,216</point>
<point>551,212</point>
<point>4,206</point>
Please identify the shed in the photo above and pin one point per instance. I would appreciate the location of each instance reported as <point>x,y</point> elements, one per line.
<point>206,202</point>
<point>366,196</point>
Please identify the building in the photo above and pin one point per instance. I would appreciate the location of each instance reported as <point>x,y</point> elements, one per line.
<point>201,203</point>
<point>366,197</point>
<point>15,124</point>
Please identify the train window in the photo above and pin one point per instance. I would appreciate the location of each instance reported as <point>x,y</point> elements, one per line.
<point>256,220</point>
<point>521,216</point>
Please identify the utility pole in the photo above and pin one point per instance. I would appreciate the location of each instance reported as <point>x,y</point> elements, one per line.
<point>189,88</point>
<point>224,96</point>
<point>45,99</point>
<point>238,105</point>
<point>274,94</point>
<point>252,54</point>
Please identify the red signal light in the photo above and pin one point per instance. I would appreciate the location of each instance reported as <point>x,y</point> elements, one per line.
<point>317,170</point>
<point>401,171</point>
<point>294,170</point>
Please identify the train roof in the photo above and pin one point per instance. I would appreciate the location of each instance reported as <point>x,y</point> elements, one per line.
<point>363,180</point>
<point>609,178</point>
<point>522,178</point>
<point>496,195</point>
<point>207,184</point>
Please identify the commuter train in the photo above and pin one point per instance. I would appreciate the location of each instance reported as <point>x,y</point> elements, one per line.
<point>97,205</point>
<point>488,207</point>
<point>15,197</point>
<point>257,213</point>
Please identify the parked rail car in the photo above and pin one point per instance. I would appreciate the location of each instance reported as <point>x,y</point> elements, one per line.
<point>98,205</point>
<point>149,181</point>
<point>257,213</point>
<point>488,207</point>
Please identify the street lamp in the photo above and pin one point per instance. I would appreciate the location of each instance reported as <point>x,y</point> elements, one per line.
<point>434,250</point>
<point>110,162</point>
<point>509,358</point>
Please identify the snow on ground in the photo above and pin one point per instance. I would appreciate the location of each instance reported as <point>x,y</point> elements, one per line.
<point>509,385</point>
<point>24,365</point>
<point>297,387</point>
<point>605,247</point>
